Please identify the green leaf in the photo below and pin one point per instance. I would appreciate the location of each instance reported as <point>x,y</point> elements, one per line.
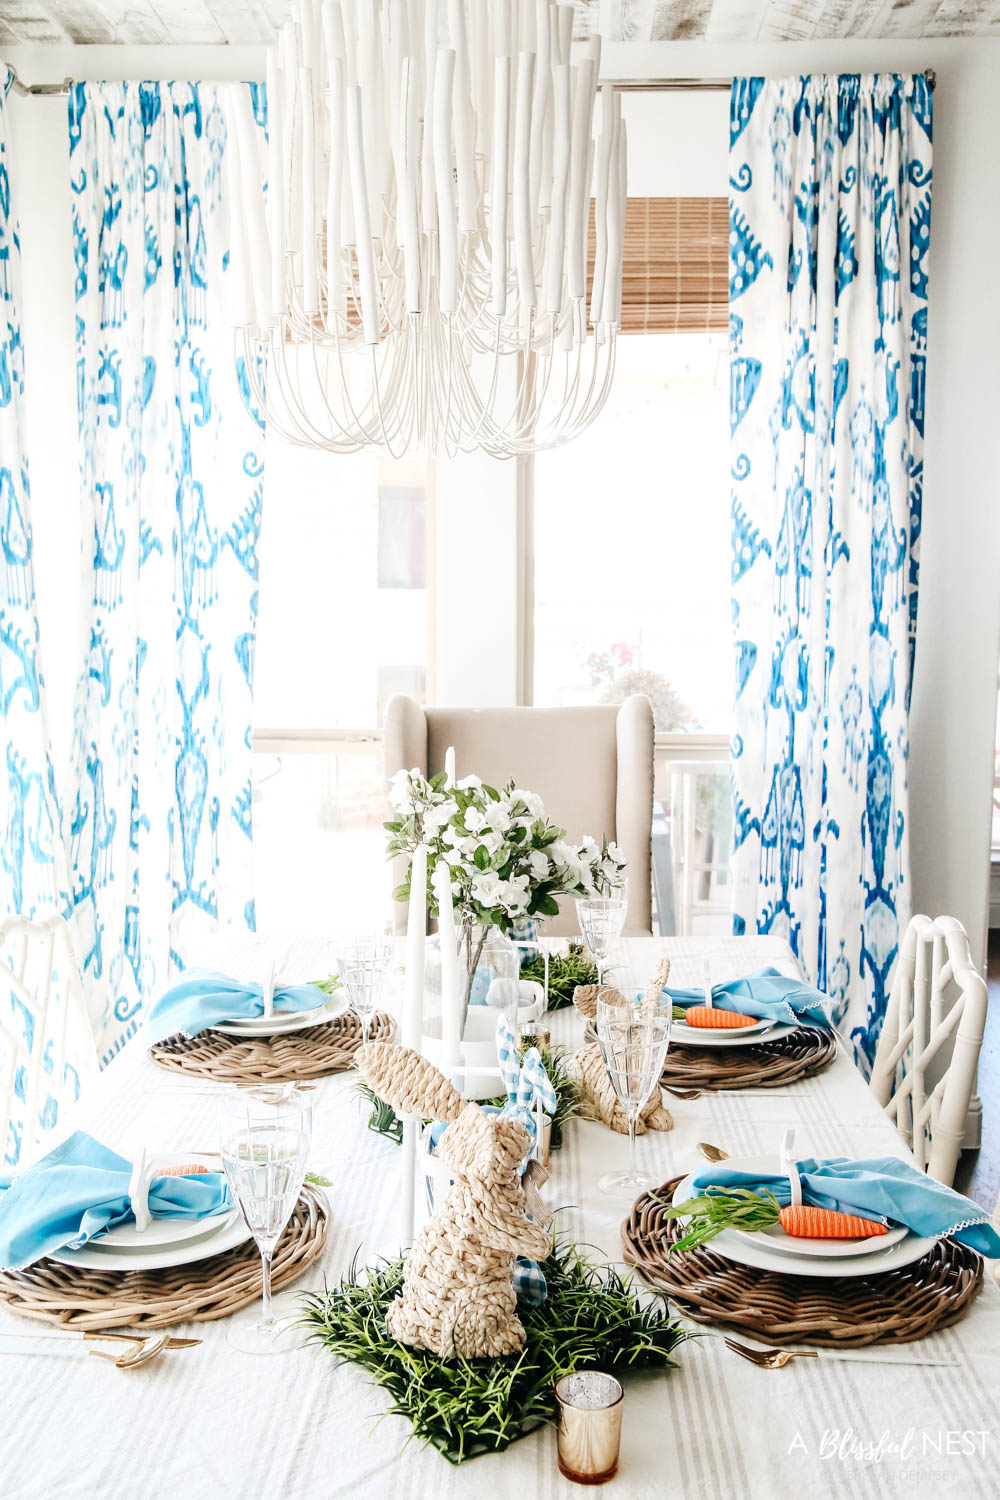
<point>482,857</point>
<point>548,906</point>
<point>491,792</point>
<point>437,782</point>
<point>402,892</point>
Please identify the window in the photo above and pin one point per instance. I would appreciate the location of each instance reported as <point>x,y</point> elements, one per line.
<point>346,601</point>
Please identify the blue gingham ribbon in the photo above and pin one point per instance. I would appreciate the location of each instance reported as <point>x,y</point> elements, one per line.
<point>525,1080</point>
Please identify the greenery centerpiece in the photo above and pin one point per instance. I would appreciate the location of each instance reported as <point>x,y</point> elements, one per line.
<point>593,1317</point>
<point>507,861</point>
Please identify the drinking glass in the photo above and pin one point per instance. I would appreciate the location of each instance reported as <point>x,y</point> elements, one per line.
<point>363,964</point>
<point>601,921</point>
<point>264,1141</point>
<point>633,1039</point>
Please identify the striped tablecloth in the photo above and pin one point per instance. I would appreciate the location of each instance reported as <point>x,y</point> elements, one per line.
<point>214,1424</point>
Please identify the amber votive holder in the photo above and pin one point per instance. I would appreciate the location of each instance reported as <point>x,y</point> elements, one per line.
<point>590,1426</point>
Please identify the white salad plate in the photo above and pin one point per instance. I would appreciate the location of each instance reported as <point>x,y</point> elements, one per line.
<point>228,1231</point>
<point>744,1036</point>
<point>683,1032</point>
<point>277,1024</point>
<point>829,1258</point>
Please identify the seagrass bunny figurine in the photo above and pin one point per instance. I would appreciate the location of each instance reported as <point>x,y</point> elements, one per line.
<point>458,1296</point>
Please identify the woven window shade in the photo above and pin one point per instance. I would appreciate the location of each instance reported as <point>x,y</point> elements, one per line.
<point>675,277</point>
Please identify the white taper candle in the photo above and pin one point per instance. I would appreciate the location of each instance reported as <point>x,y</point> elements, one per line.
<point>451,1000</point>
<point>416,929</point>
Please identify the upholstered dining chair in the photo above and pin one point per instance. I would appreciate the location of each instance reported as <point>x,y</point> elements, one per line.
<point>592,767</point>
<point>924,1072</point>
<point>47,1052</point>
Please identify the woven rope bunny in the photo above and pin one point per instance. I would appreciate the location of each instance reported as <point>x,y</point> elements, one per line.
<point>598,1100</point>
<point>458,1295</point>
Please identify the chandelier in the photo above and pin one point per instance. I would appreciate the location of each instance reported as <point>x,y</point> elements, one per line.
<point>424,274</point>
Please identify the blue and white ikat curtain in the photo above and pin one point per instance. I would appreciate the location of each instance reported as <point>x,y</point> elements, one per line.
<point>159,817</point>
<point>32,864</point>
<point>830,203</point>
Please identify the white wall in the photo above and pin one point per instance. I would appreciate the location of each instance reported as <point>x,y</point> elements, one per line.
<point>678,144</point>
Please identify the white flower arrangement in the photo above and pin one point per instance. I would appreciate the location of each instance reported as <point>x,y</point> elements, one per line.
<point>507,861</point>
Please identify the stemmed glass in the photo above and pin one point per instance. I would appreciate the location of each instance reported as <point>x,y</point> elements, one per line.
<point>264,1141</point>
<point>633,1039</point>
<point>601,921</point>
<point>363,965</point>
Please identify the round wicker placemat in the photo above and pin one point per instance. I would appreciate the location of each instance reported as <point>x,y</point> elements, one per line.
<point>891,1307</point>
<point>195,1293</point>
<point>690,1071</point>
<point>313,1052</point>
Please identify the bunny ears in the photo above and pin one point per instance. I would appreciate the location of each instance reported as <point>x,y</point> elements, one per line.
<point>408,1082</point>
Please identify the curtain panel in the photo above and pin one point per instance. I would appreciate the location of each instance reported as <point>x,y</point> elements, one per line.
<point>32,863</point>
<point>159,817</point>
<point>830,202</point>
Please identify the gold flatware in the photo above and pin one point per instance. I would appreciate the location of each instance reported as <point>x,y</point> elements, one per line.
<point>149,1349</point>
<point>712,1153</point>
<point>67,1334</point>
<point>769,1359</point>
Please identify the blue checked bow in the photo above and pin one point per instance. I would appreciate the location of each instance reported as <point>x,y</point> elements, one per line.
<point>525,1080</point>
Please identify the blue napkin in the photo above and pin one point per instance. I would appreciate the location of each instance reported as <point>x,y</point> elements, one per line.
<point>767,995</point>
<point>80,1190</point>
<point>883,1188</point>
<point>204,996</point>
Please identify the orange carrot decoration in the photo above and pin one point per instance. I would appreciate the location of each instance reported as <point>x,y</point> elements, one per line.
<point>805,1222</point>
<point>709,1016</point>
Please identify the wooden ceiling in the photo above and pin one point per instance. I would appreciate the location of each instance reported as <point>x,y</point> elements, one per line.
<point>219,22</point>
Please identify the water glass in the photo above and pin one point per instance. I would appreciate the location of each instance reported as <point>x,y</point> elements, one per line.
<point>265,1135</point>
<point>601,921</point>
<point>633,1039</point>
<point>363,964</point>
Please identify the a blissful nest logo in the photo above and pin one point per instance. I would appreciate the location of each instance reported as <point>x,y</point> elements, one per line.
<point>916,1445</point>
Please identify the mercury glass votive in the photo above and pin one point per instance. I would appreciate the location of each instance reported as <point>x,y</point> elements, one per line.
<point>590,1426</point>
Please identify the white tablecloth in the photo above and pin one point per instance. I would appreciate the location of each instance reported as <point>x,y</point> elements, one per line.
<point>214,1424</point>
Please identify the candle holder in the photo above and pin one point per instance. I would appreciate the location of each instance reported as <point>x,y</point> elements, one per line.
<point>590,1424</point>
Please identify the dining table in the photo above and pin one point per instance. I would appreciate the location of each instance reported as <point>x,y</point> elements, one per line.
<point>212,1423</point>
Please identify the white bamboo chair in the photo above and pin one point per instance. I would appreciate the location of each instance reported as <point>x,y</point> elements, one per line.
<point>937,998</point>
<point>47,1052</point>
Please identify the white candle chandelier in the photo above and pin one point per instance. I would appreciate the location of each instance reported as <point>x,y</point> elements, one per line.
<point>418,278</point>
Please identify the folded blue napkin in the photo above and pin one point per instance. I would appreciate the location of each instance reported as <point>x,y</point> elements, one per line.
<point>80,1190</point>
<point>884,1187</point>
<point>204,997</point>
<point>767,995</point>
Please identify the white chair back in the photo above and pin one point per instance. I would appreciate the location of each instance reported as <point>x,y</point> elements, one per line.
<point>937,998</point>
<point>47,1052</point>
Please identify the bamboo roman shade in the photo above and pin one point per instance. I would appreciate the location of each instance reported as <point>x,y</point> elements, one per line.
<point>675,277</point>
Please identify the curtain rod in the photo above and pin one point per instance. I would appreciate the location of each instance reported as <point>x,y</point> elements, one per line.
<point>624,85</point>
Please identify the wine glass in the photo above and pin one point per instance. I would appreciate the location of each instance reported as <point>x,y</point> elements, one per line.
<point>363,965</point>
<point>633,1039</point>
<point>601,921</point>
<point>264,1141</point>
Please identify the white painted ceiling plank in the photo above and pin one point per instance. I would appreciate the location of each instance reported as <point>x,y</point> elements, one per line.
<point>736,20</point>
<point>80,21</point>
<point>136,23</point>
<point>680,20</point>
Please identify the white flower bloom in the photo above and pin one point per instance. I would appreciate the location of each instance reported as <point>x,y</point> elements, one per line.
<point>399,792</point>
<point>538,865</point>
<point>454,857</point>
<point>439,816</point>
<point>468,784</point>
<point>589,850</point>
<point>497,815</point>
<point>452,836</point>
<point>616,854</point>
<point>474,819</point>
<point>512,898</point>
<point>531,800</point>
<point>486,887</point>
<point>492,841</point>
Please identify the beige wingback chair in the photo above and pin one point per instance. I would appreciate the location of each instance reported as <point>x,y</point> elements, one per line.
<point>592,767</point>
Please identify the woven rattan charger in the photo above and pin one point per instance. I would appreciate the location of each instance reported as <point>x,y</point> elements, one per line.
<point>888,1307</point>
<point>690,1071</point>
<point>195,1293</point>
<point>313,1052</point>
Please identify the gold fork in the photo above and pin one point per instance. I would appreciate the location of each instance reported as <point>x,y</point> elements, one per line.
<point>769,1359</point>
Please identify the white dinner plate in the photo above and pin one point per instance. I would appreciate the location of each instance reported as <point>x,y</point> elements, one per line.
<point>230,1232</point>
<point>700,1036</point>
<point>683,1032</point>
<point>295,1021</point>
<point>758,1251</point>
